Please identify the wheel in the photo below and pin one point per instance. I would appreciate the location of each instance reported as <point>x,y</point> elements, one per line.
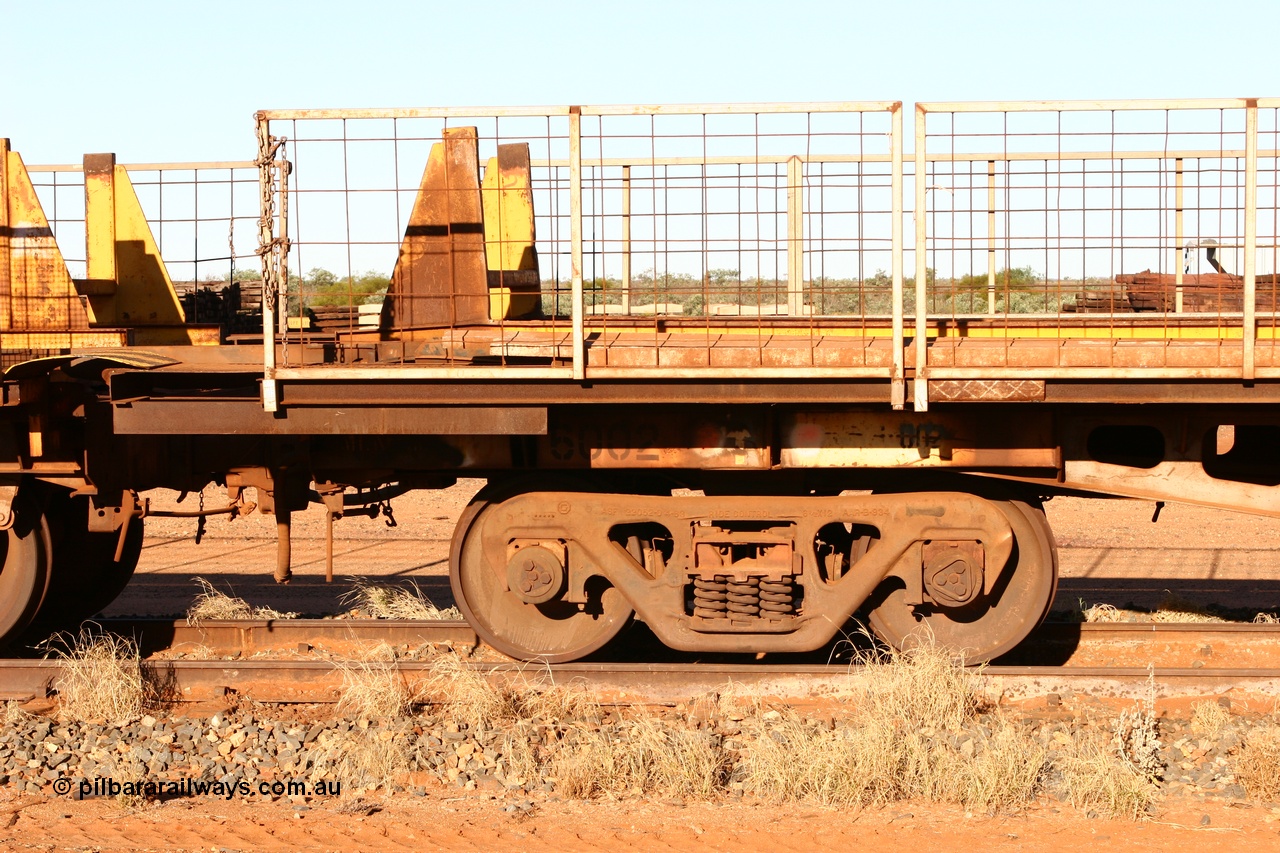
<point>84,576</point>
<point>24,573</point>
<point>553,631</point>
<point>992,624</point>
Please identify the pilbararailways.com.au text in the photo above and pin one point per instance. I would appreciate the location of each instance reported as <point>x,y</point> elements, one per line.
<point>109,787</point>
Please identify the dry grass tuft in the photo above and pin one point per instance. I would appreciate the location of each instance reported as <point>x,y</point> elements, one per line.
<point>925,686</point>
<point>101,678</point>
<point>374,687</point>
<point>1092,779</point>
<point>395,602</point>
<point>1256,763</point>
<point>469,696</point>
<point>212,605</point>
<point>472,697</point>
<point>642,756</point>
<point>14,713</point>
<point>876,760</point>
<point>360,759</point>
<point>1209,718</point>
<point>1266,619</point>
<point>915,733</point>
<point>1174,608</point>
<point>1104,613</point>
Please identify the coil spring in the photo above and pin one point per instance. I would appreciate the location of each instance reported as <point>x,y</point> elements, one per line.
<point>711,598</point>
<point>724,598</point>
<point>777,598</point>
<point>744,596</point>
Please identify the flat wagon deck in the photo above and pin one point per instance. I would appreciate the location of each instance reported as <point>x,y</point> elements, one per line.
<point>711,380</point>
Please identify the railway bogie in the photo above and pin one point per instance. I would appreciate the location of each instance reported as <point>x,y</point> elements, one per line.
<point>556,574</point>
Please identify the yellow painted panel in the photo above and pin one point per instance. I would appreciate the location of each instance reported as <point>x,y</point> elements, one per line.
<point>511,254</point>
<point>128,283</point>
<point>36,291</point>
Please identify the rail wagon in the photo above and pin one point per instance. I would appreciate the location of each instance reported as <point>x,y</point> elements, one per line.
<point>737,371</point>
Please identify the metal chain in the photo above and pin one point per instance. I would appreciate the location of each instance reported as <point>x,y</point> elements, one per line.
<point>273,171</point>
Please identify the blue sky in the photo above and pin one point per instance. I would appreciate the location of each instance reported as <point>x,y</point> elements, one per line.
<point>180,81</point>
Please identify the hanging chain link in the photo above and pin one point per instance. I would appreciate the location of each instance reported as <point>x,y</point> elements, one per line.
<point>273,248</point>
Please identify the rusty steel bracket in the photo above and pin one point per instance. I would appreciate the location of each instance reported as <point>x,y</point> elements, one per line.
<point>260,479</point>
<point>104,517</point>
<point>331,496</point>
<point>128,510</point>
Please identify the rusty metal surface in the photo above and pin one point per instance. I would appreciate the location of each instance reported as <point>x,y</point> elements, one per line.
<point>240,417</point>
<point>248,636</point>
<point>987,625</point>
<point>36,291</point>
<point>852,439</point>
<point>685,437</point>
<point>1110,657</point>
<point>712,392</point>
<point>658,581</point>
<point>440,278</point>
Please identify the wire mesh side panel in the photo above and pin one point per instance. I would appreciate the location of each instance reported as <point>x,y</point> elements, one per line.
<point>203,217</point>
<point>1094,238</point>
<point>744,238</point>
<point>701,237</point>
<point>445,231</point>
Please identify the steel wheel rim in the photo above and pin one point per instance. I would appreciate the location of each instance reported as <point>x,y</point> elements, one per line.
<point>84,577</point>
<point>519,630</point>
<point>1022,599</point>
<point>24,577</point>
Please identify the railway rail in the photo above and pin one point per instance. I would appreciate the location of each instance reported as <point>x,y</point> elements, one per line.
<point>269,661</point>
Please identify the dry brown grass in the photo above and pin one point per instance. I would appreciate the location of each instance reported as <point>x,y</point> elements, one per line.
<point>1092,778</point>
<point>360,759</point>
<point>876,760</point>
<point>914,733</point>
<point>641,756</point>
<point>373,686</point>
<point>1174,608</point>
<point>395,602</point>
<point>1209,718</point>
<point>211,605</point>
<point>473,697</point>
<point>1257,761</point>
<point>14,713</point>
<point>1171,608</point>
<point>101,678</point>
<point>924,687</point>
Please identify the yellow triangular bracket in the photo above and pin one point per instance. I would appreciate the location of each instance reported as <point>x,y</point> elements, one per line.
<point>127,283</point>
<point>36,291</point>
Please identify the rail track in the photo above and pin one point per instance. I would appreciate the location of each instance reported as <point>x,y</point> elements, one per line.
<point>297,661</point>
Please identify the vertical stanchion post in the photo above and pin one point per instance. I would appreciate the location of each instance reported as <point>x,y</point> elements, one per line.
<point>266,250</point>
<point>626,239</point>
<point>575,238</point>
<point>1249,332</point>
<point>795,238</point>
<point>921,339</point>
<point>1178,248</point>
<point>991,236</point>
<point>897,381</point>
